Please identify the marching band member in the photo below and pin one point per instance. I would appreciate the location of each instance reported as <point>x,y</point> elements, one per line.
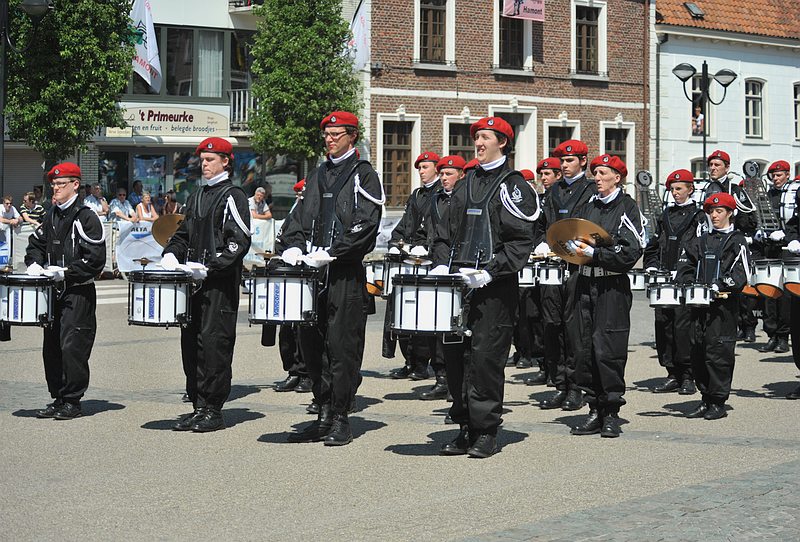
<point>69,246</point>
<point>681,222</point>
<point>210,244</point>
<point>337,225</point>
<point>487,234</point>
<point>793,246</point>
<point>410,237</point>
<point>599,302</point>
<point>719,165</point>
<point>719,259</point>
<point>776,311</point>
<point>564,199</point>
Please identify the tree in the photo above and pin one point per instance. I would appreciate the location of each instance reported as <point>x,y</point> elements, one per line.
<point>68,81</point>
<point>301,73</point>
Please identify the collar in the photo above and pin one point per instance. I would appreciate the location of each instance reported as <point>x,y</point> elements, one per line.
<point>725,230</point>
<point>342,158</point>
<point>570,180</point>
<point>216,179</point>
<point>607,199</point>
<point>494,165</point>
<point>64,206</point>
<point>433,182</point>
<point>689,201</point>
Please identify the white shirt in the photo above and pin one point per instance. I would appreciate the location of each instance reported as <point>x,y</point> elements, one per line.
<point>123,206</point>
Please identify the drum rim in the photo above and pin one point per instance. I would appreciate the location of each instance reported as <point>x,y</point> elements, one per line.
<point>285,271</point>
<point>408,279</point>
<point>160,275</point>
<point>12,278</point>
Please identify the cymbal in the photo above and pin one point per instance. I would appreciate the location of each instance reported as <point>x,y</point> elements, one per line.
<point>575,228</point>
<point>265,255</point>
<point>165,227</point>
<point>142,261</point>
<point>416,260</point>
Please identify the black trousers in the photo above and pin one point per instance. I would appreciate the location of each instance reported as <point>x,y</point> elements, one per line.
<point>776,316</point>
<point>207,342</point>
<point>476,367</point>
<point>290,351</point>
<point>529,330</point>
<point>713,348</point>
<point>68,343</point>
<point>598,326</point>
<point>747,306</point>
<point>795,328</point>
<point>673,326</point>
<point>333,349</point>
<point>558,356</point>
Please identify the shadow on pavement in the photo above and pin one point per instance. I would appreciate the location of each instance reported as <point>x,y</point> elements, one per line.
<point>376,374</point>
<point>776,358</point>
<point>540,396</point>
<point>233,417</point>
<point>676,410</point>
<point>359,426</point>
<point>412,395</point>
<point>649,384</point>
<point>363,403</point>
<point>439,438</point>
<point>779,390</point>
<point>89,408</point>
<point>238,391</point>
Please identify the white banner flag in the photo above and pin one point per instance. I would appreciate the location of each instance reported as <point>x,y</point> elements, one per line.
<point>134,242</point>
<point>146,62</point>
<point>359,44</point>
<point>524,9</point>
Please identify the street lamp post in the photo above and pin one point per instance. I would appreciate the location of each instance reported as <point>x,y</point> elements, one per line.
<point>36,10</point>
<point>724,77</point>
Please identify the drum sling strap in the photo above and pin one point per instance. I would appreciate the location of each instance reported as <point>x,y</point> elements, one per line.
<point>565,209</point>
<point>328,226</point>
<point>708,268</point>
<point>670,250</point>
<point>202,233</point>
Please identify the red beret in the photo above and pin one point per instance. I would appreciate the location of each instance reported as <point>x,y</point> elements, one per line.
<point>453,161</point>
<point>339,118</point>
<point>780,165</point>
<point>64,169</point>
<point>548,163</point>
<point>611,161</point>
<point>299,185</point>
<point>571,147</point>
<point>426,157</point>
<point>722,155</point>
<point>680,176</point>
<point>472,164</point>
<point>215,144</point>
<point>528,175</point>
<point>797,178</point>
<point>496,124</point>
<point>720,199</point>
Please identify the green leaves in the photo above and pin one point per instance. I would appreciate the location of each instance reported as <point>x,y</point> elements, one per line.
<point>71,76</point>
<point>301,73</point>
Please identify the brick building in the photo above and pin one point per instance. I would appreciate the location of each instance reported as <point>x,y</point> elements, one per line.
<point>436,66</point>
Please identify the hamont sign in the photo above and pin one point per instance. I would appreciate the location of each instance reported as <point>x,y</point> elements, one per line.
<point>154,120</point>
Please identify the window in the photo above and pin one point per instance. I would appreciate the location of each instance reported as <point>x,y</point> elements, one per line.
<point>209,64</point>
<point>698,166</point>
<point>753,109</point>
<point>512,36</point>
<point>180,46</point>
<point>241,59</point>
<point>699,120</point>
<point>460,141</point>
<point>588,57</point>
<point>616,143</point>
<point>618,137</point>
<point>397,162</point>
<point>797,111</point>
<point>433,15</point>
<point>556,135</point>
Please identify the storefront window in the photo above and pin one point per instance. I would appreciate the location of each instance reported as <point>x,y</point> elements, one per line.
<point>209,69</point>
<point>113,172</point>
<point>150,169</point>
<point>180,53</point>
<point>186,174</point>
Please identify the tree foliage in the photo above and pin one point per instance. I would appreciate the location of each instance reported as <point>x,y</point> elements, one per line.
<point>68,81</point>
<point>301,73</point>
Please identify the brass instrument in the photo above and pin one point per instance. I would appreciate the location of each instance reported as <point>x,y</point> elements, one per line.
<point>165,227</point>
<point>649,202</point>
<point>753,185</point>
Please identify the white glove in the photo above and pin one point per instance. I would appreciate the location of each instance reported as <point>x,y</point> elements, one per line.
<point>777,236</point>
<point>57,273</point>
<point>394,250</point>
<point>318,259</point>
<point>440,270</point>
<point>291,255</point>
<point>571,247</point>
<point>589,251</point>
<point>418,251</point>
<point>759,236</point>
<point>198,270</point>
<point>651,270</point>
<point>794,247</point>
<point>474,278</point>
<point>748,240</point>
<point>715,287</point>
<point>169,261</point>
<point>542,249</point>
<point>35,270</point>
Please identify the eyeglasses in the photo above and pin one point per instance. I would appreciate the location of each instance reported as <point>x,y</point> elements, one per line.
<point>336,136</point>
<point>60,184</point>
<point>123,194</point>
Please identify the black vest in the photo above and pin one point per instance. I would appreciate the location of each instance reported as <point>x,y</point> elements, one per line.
<point>328,226</point>
<point>708,266</point>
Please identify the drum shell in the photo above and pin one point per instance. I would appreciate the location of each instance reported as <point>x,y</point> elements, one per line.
<point>26,300</point>
<point>427,305</point>
<point>791,276</point>
<point>769,277</point>
<point>659,277</point>
<point>638,278</point>
<point>393,265</point>
<point>527,275</point>
<point>697,295</point>
<point>374,272</point>
<point>664,294</point>
<point>159,298</point>
<point>283,295</point>
<point>550,273</point>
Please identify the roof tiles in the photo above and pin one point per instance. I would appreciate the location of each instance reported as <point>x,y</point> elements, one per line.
<point>773,18</point>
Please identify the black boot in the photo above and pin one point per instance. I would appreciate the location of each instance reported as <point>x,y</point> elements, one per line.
<point>699,411</point>
<point>750,335</point>
<point>524,363</point>
<point>715,412</point>
<point>610,427</point>
<point>574,400</point>
<point>687,387</point>
<point>537,379</point>
<point>591,425</point>
<point>459,445</point>
<point>340,433</point>
<point>50,410</point>
<point>438,391</point>
<point>289,384</point>
<point>772,343</point>
<point>400,372</point>
<point>670,385</point>
<point>483,447</point>
<point>211,420</point>
<point>186,421</point>
<point>554,401</point>
<point>316,430</point>
<point>782,346</point>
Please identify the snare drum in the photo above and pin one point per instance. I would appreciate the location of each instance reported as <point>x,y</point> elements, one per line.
<point>664,295</point>
<point>159,298</point>
<point>659,277</point>
<point>527,275</point>
<point>550,273</point>
<point>638,278</point>
<point>769,278</point>
<point>697,295</point>
<point>283,294</point>
<point>427,305</point>
<point>374,271</point>
<point>393,265</point>
<point>26,300</point>
<point>791,276</point>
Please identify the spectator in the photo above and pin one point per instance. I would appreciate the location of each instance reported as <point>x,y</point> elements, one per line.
<point>31,211</point>
<point>146,210</point>
<point>9,215</point>
<point>171,205</point>
<point>258,205</point>
<point>698,121</point>
<point>97,203</point>
<point>39,197</point>
<point>136,196</point>
<point>160,200</point>
<point>82,193</point>
<point>121,209</point>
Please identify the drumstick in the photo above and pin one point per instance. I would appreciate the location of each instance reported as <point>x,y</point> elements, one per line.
<point>723,295</point>
<point>544,256</point>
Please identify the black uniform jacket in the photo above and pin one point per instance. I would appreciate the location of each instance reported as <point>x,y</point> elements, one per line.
<point>734,266</point>
<point>622,220</point>
<point>413,226</point>
<point>685,222</point>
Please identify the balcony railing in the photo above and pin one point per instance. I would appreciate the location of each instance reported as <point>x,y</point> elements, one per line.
<point>239,5</point>
<point>242,105</point>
